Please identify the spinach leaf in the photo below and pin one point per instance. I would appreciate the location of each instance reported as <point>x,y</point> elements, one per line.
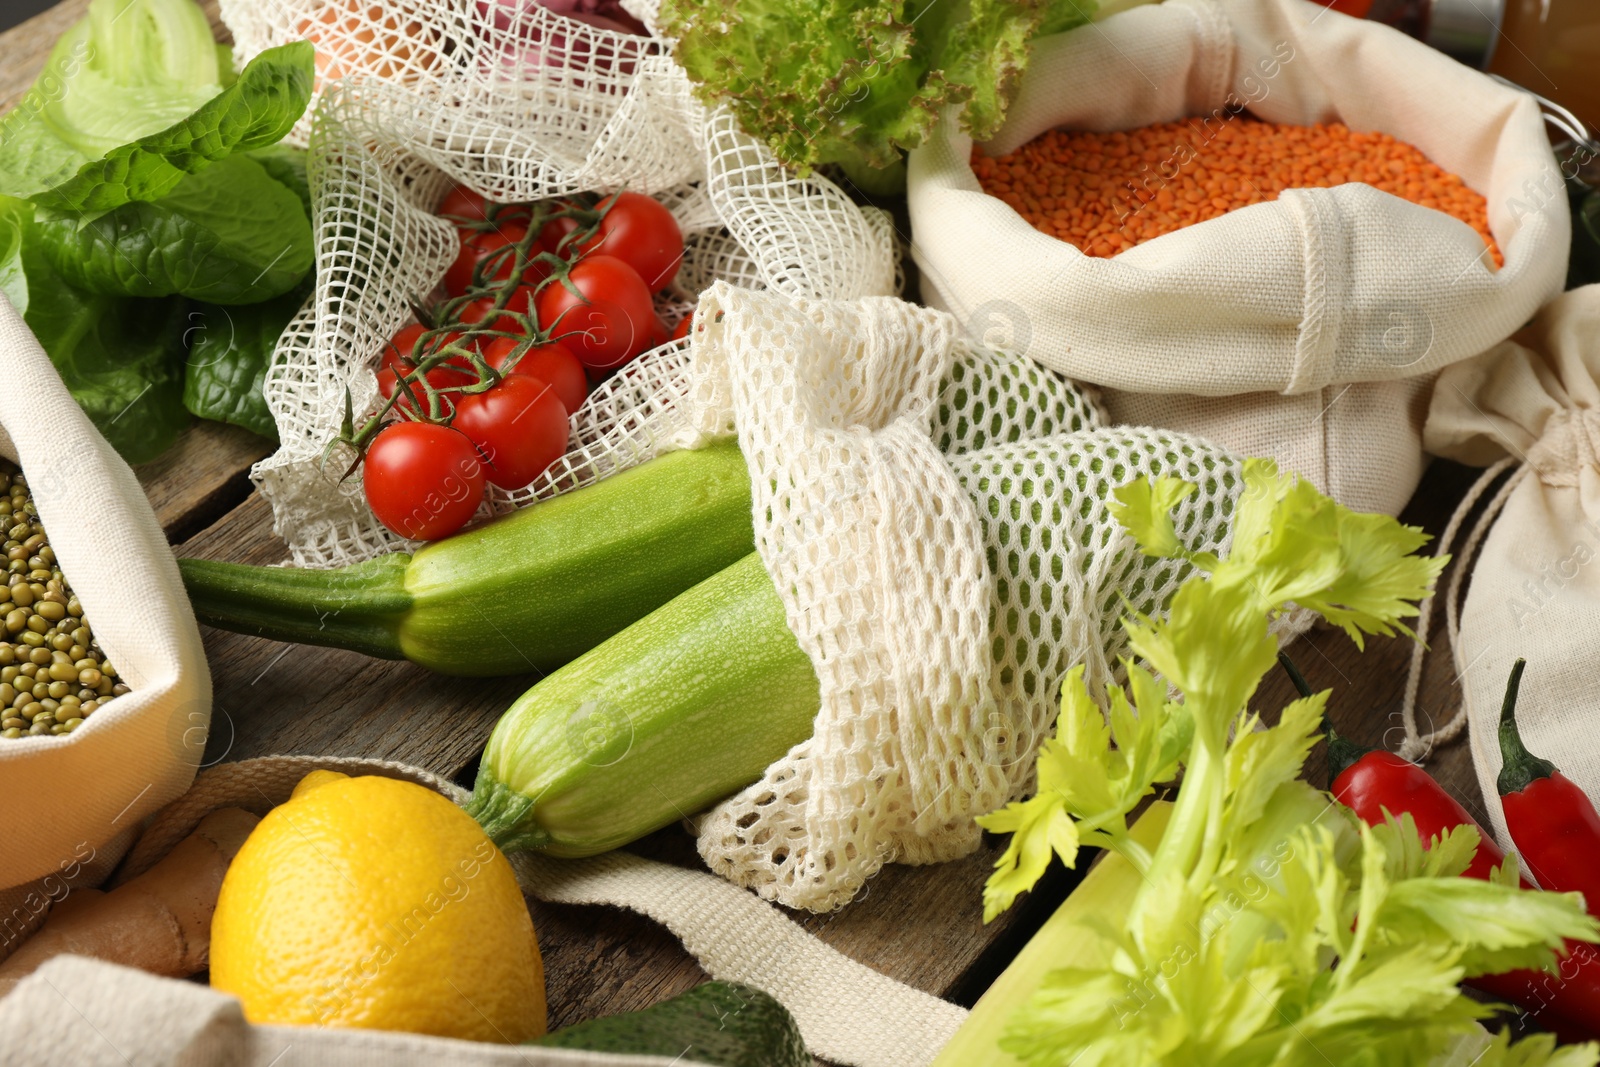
<point>254,112</point>
<point>121,358</point>
<point>229,234</point>
<point>230,349</point>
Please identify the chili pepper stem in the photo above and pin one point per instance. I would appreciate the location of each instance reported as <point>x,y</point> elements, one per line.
<point>1520,768</point>
<point>1342,752</point>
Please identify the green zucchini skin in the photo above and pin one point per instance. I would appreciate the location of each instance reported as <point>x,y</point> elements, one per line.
<point>524,593</point>
<point>681,709</point>
<point>723,1023</point>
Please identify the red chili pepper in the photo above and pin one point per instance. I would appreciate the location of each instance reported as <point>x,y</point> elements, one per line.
<point>1375,783</point>
<point>1554,824</point>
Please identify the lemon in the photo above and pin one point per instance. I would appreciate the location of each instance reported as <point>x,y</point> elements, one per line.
<point>375,903</point>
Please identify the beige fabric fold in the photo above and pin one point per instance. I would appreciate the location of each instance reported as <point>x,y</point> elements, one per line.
<point>1535,586</point>
<point>1251,329</point>
<point>88,1013</point>
<point>847,1012</point>
<point>142,749</point>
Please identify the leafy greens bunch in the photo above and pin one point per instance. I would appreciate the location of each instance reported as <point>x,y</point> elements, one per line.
<point>855,83</point>
<point>138,174</point>
<point>1270,926</point>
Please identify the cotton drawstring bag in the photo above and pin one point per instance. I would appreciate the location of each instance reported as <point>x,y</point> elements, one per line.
<point>1297,328</point>
<point>1529,410</point>
<point>141,749</point>
<point>84,1012</point>
<point>413,97</point>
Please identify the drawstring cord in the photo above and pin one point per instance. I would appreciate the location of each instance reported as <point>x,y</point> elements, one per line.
<point>1416,746</point>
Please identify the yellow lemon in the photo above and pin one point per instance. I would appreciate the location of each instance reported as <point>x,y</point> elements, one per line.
<point>375,903</point>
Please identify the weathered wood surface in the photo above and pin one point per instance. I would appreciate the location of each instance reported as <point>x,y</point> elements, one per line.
<point>920,925</point>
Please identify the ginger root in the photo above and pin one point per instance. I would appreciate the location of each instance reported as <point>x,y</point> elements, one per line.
<point>159,922</point>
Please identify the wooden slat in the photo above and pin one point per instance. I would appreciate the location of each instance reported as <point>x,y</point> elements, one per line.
<point>201,477</point>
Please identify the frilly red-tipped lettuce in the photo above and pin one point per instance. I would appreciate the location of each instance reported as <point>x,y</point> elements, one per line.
<point>856,82</point>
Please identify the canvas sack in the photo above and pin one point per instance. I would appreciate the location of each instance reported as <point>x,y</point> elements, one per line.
<point>141,750</point>
<point>1528,410</point>
<point>1303,328</point>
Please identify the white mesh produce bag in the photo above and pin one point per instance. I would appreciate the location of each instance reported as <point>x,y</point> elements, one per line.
<point>941,580</point>
<point>933,512</point>
<point>1302,328</point>
<point>413,96</point>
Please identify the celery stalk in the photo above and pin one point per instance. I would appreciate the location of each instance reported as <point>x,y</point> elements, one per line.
<point>1107,892</point>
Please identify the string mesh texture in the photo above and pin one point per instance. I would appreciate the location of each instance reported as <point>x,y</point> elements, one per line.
<point>932,513</point>
<point>935,518</point>
<point>412,97</point>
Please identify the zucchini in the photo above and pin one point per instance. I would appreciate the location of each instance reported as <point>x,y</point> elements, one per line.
<point>526,592</point>
<point>687,705</point>
<point>724,1024</point>
<point>1066,940</point>
<point>693,702</point>
<point>530,591</point>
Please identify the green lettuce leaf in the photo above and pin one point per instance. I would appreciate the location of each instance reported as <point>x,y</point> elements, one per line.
<point>287,166</point>
<point>254,112</point>
<point>129,68</point>
<point>121,358</point>
<point>230,234</point>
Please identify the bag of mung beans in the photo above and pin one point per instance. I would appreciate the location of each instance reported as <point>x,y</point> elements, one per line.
<point>108,693</point>
<point>1305,327</point>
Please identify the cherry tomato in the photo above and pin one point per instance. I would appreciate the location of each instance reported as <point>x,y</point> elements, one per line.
<point>415,399</point>
<point>521,300</point>
<point>657,336</point>
<point>461,205</point>
<point>554,230</point>
<point>685,324</point>
<point>609,322</point>
<point>423,481</point>
<point>642,233</point>
<point>478,246</point>
<point>520,427</point>
<point>398,357</point>
<point>552,363</point>
<point>470,210</point>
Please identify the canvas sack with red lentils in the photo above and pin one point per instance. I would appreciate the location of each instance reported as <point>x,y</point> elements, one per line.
<point>1260,222</point>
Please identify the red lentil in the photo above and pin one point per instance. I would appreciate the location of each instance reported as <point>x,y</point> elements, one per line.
<point>1106,192</point>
